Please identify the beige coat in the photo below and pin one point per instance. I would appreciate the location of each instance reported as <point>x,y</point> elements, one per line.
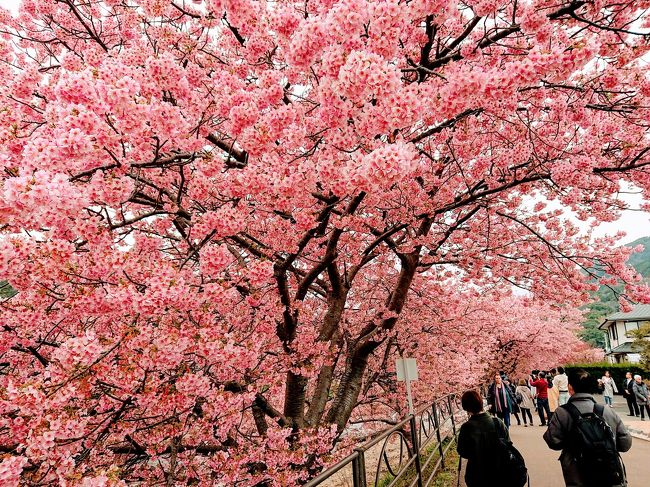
<point>527,401</point>
<point>553,398</point>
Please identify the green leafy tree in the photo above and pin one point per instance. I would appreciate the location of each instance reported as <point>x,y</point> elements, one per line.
<point>6,291</point>
<point>641,344</point>
<point>606,301</point>
<point>590,332</point>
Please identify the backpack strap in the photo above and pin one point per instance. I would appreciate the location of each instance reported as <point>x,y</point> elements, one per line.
<point>573,411</point>
<point>599,409</point>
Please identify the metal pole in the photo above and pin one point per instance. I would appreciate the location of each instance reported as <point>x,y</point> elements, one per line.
<point>359,469</point>
<point>441,450</point>
<point>407,380</point>
<point>416,450</point>
<point>451,413</point>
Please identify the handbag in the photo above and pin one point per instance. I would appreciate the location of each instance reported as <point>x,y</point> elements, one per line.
<point>519,398</point>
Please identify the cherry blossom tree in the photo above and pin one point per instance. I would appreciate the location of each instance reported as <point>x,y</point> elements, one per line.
<point>225,219</point>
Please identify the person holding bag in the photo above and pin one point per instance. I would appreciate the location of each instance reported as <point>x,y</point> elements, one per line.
<point>609,388</point>
<point>526,402</point>
<point>484,442</point>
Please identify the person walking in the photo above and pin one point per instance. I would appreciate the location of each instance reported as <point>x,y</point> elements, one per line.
<point>515,405</point>
<point>561,383</point>
<point>641,395</point>
<point>590,437</point>
<point>628,392</point>
<point>527,402</point>
<point>553,394</point>
<point>476,442</point>
<point>541,386</point>
<point>609,388</point>
<point>500,400</point>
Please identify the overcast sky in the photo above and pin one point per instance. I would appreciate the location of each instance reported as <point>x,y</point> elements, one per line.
<point>635,224</point>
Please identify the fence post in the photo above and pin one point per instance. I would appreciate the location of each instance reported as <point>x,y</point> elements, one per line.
<point>441,450</point>
<point>359,469</point>
<point>416,450</point>
<point>451,413</point>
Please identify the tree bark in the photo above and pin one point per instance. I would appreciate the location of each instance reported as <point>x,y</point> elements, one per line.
<point>360,350</point>
<point>294,400</point>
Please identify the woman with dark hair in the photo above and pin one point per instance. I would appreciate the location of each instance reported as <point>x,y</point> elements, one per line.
<point>609,388</point>
<point>561,383</point>
<point>477,440</point>
<point>501,400</point>
<point>553,393</point>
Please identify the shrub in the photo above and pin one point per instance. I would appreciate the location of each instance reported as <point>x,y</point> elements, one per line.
<point>617,371</point>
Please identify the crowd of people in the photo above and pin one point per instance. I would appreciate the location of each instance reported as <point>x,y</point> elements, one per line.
<point>590,435</point>
<point>541,391</point>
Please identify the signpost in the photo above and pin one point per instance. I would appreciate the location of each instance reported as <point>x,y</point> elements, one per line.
<point>407,370</point>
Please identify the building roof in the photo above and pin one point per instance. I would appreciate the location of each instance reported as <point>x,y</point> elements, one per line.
<point>627,347</point>
<point>639,312</point>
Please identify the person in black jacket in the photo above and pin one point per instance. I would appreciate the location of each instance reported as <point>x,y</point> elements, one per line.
<point>628,392</point>
<point>477,442</point>
<point>501,400</point>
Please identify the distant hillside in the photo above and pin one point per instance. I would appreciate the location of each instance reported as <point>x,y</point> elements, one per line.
<point>608,302</point>
<point>641,261</point>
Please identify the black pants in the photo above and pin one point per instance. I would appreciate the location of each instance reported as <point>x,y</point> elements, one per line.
<point>542,405</point>
<point>632,405</point>
<point>646,407</point>
<point>524,412</point>
<point>516,415</point>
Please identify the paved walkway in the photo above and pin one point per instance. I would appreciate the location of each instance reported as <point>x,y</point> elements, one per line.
<point>544,467</point>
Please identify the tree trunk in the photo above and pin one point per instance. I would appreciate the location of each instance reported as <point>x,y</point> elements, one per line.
<point>350,386</point>
<point>294,400</point>
<point>357,360</point>
<point>329,331</point>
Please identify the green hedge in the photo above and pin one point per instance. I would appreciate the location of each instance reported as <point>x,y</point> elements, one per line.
<point>617,371</point>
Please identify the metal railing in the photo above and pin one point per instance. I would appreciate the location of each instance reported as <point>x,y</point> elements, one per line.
<point>425,437</point>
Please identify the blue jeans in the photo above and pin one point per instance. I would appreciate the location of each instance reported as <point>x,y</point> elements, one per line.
<point>542,405</point>
<point>608,400</point>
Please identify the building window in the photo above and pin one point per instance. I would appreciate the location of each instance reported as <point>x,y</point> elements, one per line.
<point>614,332</point>
<point>631,326</point>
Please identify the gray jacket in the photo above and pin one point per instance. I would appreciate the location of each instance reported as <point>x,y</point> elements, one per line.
<point>559,428</point>
<point>640,393</point>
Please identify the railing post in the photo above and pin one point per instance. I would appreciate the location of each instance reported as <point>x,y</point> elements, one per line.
<point>441,450</point>
<point>451,413</point>
<point>416,450</point>
<point>359,469</point>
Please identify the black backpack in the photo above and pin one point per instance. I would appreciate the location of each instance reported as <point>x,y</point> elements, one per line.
<point>512,467</point>
<point>593,445</point>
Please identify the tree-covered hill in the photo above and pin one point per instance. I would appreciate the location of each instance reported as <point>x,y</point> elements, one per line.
<point>641,261</point>
<point>607,302</point>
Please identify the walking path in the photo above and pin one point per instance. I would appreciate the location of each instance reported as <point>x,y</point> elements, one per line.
<point>544,467</point>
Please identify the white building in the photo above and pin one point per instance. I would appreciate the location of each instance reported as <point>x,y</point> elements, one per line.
<point>617,326</point>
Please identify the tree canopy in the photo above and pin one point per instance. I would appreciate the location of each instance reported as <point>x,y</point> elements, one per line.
<point>225,219</point>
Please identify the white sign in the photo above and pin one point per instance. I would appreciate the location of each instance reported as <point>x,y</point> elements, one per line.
<point>407,369</point>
